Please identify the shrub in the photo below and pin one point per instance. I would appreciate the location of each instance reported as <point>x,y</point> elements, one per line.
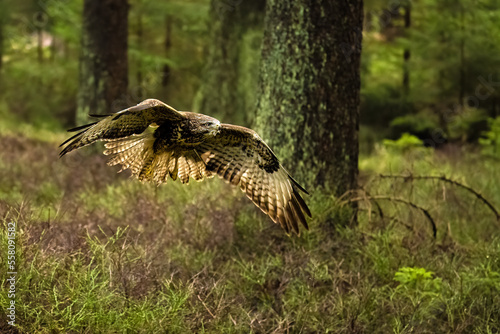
<point>490,141</point>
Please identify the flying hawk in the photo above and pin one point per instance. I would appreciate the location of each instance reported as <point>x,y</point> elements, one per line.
<point>155,142</point>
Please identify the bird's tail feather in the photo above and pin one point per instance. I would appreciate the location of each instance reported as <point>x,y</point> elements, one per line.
<point>138,155</point>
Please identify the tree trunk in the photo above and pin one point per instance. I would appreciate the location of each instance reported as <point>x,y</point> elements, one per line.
<point>461,92</point>
<point>220,94</point>
<point>406,52</point>
<point>39,47</point>
<point>165,78</point>
<point>2,22</point>
<point>140,36</point>
<point>308,109</point>
<point>103,60</point>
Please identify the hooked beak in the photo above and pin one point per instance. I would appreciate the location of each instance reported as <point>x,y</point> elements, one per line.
<point>217,129</point>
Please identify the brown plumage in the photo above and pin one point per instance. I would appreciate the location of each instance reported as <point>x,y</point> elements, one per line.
<point>156,142</point>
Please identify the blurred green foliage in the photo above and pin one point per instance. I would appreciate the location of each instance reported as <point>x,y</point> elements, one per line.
<point>420,124</point>
<point>417,279</point>
<point>39,76</point>
<point>453,69</point>
<point>405,143</point>
<point>453,77</point>
<point>490,141</point>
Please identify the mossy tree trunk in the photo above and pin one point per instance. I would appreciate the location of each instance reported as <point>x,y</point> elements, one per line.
<point>227,79</point>
<point>308,108</point>
<point>103,60</point>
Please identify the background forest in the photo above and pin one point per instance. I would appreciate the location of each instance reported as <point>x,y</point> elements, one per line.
<point>98,252</point>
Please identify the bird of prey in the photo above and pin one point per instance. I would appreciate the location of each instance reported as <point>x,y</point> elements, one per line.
<point>156,142</point>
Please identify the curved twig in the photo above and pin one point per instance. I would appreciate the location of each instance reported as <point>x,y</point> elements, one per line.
<point>445,179</point>
<point>400,200</point>
<point>379,208</point>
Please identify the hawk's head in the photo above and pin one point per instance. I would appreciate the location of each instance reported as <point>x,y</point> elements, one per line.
<point>211,125</point>
<point>199,127</point>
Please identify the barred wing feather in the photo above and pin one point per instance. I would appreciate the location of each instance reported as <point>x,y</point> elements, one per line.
<point>241,157</point>
<point>134,120</point>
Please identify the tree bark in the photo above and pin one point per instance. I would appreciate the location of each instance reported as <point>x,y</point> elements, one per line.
<point>308,108</point>
<point>103,60</point>
<point>220,94</point>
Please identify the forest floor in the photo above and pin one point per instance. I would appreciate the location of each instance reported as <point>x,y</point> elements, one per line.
<point>98,252</point>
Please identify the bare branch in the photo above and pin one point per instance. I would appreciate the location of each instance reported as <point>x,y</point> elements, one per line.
<point>445,179</point>
<point>400,200</point>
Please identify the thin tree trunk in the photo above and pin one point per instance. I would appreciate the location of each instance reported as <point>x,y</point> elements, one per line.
<point>2,22</point>
<point>461,93</point>
<point>140,36</point>
<point>168,44</point>
<point>53,48</point>
<point>103,61</point>
<point>308,109</point>
<point>406,52</point>
<point>39,34</point>
<point>219,94</point>
<point>39,24</point>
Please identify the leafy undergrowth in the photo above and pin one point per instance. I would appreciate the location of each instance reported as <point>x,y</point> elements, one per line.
<point>98,252</point>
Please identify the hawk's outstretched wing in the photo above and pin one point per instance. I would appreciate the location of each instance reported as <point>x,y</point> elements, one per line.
<point>235,153</point>
<point>133,120</point>
<point>241,157</point>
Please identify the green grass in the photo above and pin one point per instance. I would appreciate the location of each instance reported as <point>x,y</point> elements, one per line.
<point>98,252</point>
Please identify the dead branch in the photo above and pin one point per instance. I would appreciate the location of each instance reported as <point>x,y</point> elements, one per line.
<point>379,208</point>
<point>400,200</point>
<point>445,179</point>
<point>389,218</point>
